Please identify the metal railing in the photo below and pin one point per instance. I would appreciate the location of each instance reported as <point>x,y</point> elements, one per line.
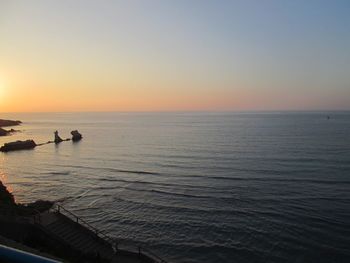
<point>105,237</point>
<point>81,221</point>
<point>37,217</point>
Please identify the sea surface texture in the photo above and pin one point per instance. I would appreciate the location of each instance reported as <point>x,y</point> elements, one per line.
<point>197,187</point>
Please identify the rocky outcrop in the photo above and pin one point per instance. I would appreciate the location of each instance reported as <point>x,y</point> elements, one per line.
<point>17,228</point>
<point>18,145</point>
<point>76,136</point>
<point>8,204</point>
<point>6,198</point>
<point>6,123</point>
<point>58,139</point>
<point>3,132</point>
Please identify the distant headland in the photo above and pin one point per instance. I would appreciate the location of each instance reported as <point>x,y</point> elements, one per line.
<point>7,123</point>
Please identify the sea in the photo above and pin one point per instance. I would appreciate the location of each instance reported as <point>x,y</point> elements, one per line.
<point>196,186</point>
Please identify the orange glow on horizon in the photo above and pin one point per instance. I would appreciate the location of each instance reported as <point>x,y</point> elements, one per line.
<point>36,98</point>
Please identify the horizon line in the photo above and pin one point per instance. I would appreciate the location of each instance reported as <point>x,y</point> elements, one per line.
<point>186,111</point>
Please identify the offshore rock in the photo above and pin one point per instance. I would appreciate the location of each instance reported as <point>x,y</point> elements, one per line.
<point>18,145</point>
<point>58,139</point>
<point>76,136</point>
<point>5,123</point>
<point>3,132</point>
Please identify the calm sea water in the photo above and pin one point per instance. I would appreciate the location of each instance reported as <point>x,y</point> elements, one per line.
<point>197,187</point>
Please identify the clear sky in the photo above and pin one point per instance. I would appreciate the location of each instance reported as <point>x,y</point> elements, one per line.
<point>174,55</point>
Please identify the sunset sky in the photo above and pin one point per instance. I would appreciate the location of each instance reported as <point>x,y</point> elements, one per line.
<point>174,55</point>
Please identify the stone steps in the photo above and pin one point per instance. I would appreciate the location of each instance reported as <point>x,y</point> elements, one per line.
<point>78,237</point>
<point>84,240</point>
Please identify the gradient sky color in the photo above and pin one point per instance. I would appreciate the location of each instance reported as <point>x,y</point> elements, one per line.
<point>174,55</point>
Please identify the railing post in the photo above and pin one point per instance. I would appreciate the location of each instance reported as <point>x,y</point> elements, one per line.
<point>99,234</point>
<point>37,217</point>
<point>116,247</point>
<point>139,251</point>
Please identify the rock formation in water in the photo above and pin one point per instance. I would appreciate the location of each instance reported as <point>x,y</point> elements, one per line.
<point>18,145</point>
<point>76,136</point>
<point>58,139</point>
<point>6,123</point>
<point>3,132</point>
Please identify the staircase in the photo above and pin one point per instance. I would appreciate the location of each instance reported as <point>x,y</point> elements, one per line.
<point>78,237</point>
<point>81,236</point>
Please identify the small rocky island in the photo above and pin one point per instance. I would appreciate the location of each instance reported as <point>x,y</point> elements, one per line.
<point>18,145</point>
<point>30,144</point>
<point>76,136</point>
<point>8,123</point>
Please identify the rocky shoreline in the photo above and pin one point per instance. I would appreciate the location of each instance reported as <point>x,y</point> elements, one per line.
<point>21,227</point>
<point>8,205</point>
<point>18,231</point>
<point>8,123</point>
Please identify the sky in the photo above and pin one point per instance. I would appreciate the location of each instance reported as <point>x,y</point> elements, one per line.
<point>183,55</point>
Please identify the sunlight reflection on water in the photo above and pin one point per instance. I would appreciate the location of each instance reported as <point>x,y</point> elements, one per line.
<point>197,187</point>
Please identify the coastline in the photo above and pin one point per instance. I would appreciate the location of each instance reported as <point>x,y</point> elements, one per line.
<point>8,123</point>
<point>46,229</point>
<point>16,230</point>
<point>103,180</point>
<point>19,229</point>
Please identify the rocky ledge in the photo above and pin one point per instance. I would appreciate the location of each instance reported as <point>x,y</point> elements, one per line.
<point>8,204</point>
<point>6,198</point>
<point>18,229</point>
<point>7,123</point>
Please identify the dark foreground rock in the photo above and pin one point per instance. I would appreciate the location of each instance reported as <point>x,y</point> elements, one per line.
<point>6,198</point>
<point>60,234</point>
<point>8,204</point>
<point>17,223</point>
